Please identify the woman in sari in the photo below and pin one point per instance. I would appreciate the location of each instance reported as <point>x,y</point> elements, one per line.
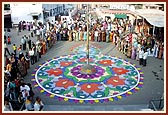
<point>85,35</point>
<point>129,51</point>
<point>160,51</point>
<point>81,35</point>
<point>111,36</point>
<point>43,49</point>
<point>25,65</point>
<point>103,36</point>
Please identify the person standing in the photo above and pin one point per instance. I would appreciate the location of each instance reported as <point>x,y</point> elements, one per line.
<point>84,35</point>
<point>111,36</point>
<point>24,89</point>
<point>9,40</point>
<point>9,67</point>
<point>107,36</point>
<point>74,35</point>
<point>17,29</point>
<point>70,35</point>
<point>103,36</point>
<point>38,33</point>
<point>24,65</point>
<point>27,59</point>
<point>29,42</point>
<point>133,56</point>
<point>6,49</point>
<point>77,35</point>
<point>23,43</point>
<point>31,54</point>
<point>20,68</point>
<point>28,26</point>
<point>137,52</point>
<point>14,49</point>
<point>145,55</point>
<point>141,52</point>
<point>96,33</point>
<point>160,51</point>
<point>81,35</point>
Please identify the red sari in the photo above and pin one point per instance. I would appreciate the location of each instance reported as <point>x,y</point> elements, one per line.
<point>92,36</point>
<point>103,36</point>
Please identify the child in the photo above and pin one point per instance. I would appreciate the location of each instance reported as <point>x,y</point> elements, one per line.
<point>14,48</point>
<point>145,55</point>
<point>141,53</point>
<point>9,40</point>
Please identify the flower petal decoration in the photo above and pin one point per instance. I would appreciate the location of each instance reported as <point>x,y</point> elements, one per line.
<point>85,60</point>
<point>106,62</point>
<point>64,64</point>
<point>55,72</point>
<point>63,82</point>
<point>90,88</point>
<point>120,71</point>
<point>115,81</point>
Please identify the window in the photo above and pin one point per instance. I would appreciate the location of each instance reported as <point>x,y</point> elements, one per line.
<point>51,12</point>
<point>35,17</point>
<point>6,6</point>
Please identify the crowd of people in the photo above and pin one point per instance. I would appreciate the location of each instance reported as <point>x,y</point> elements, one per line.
<point>19,94</point>
<point>120,32</point>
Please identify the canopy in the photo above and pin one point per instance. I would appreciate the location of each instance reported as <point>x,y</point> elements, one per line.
<point>153,16</point>
<point>120,15</point>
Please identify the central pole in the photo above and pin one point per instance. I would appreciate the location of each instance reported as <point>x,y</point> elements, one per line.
<point>87,68</point>
<point>87,44</point>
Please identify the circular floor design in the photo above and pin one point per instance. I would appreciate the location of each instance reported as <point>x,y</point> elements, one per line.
<point>60,78</point>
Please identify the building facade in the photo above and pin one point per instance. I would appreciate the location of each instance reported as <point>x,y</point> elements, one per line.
<point>53,11</point>
<point>16,12</point>
<point>26,12</point>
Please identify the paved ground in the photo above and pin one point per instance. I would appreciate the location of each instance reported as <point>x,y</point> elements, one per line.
<point>153,86</point>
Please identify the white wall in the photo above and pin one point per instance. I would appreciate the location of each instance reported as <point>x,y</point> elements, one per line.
<point>22,11</point>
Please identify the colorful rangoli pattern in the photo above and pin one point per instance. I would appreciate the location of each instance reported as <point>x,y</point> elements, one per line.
<point>60,78</point>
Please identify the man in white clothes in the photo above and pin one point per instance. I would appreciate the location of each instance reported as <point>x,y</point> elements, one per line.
<point>25,90</point>
<point>96,35</point>
<point>145,55</point>
<point>141,52</point>
<point>31,54</point>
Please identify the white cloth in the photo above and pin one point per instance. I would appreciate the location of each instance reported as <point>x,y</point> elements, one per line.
<point>25,90</point>
<point>96,33</point>
<point>141,52</point>
<point>31,52</point>
<point>23,41</point>
<point>37,106</point>
<point>37,32</point>
<point>145,55</point>
<point>34,27</point>
<point>8,107</point>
